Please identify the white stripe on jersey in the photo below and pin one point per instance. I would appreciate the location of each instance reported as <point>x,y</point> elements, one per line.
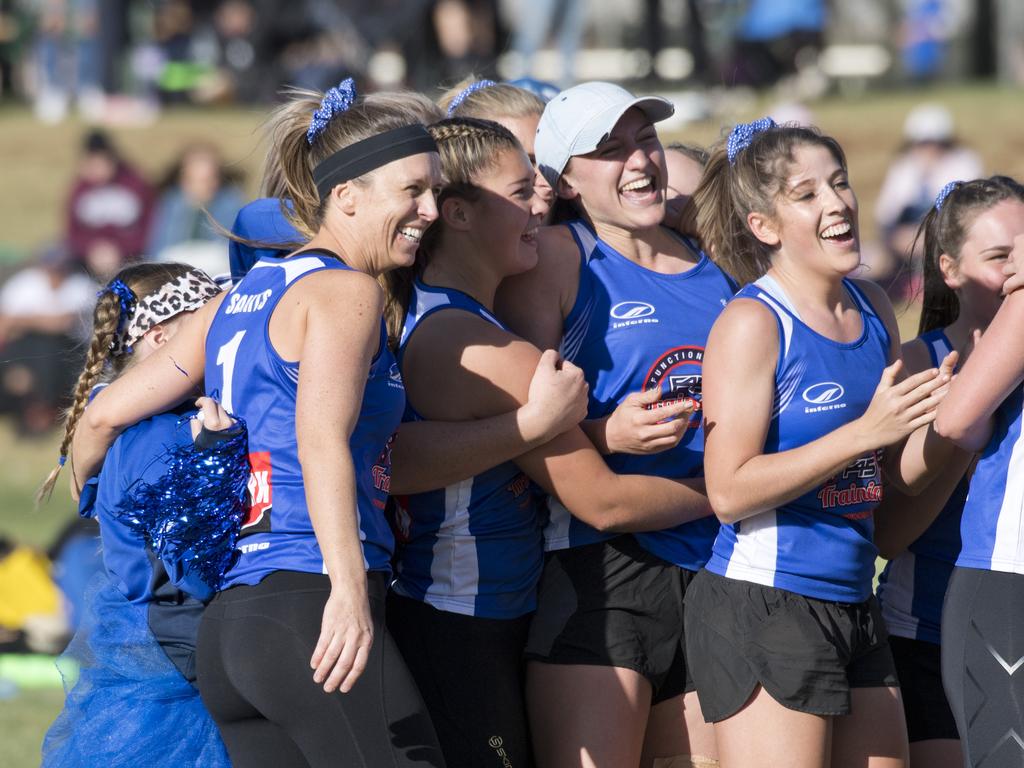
<point>897,596</point>
<point>556,532</point>
<point>756,550</point>
<point>454,568</point>
<point>1008,548</point>
<point>587,239</point>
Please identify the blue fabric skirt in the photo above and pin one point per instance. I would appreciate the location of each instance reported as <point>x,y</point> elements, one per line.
<point>130,705</point>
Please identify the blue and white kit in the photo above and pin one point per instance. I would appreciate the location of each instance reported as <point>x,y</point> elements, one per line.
<point>821,544</point>
<point>474,547</point>
<point>913,585</point>
<point>633,329</point>
<point>254,382</point>
<point>992,527</point>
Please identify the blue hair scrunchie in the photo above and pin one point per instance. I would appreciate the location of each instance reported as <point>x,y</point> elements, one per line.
<point>468,91</point>
<point>337,99</point>
<point>742,134</point>
<point>945,192</point>
<point>126,298</point>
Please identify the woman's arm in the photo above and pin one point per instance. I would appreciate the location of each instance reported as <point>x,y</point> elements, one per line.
<point>161,381</point>
<point>342,314</point>
<point>994,369</point>
<point>739,388</point>
<point>484,371</point>
<point>434,454</point>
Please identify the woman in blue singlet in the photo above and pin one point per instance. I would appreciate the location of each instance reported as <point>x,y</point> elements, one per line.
<point>134,701</point>
<point>467,572</point>
<point>800,398</point>
<point>966,237</point>
<point>983,614</point>
<point>631,303</point>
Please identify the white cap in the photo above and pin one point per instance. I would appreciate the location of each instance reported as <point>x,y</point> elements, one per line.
<point>928,122</point>
<point>577,120</point>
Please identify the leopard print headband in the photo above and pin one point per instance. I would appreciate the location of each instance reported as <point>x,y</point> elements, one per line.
<point>185,294</point>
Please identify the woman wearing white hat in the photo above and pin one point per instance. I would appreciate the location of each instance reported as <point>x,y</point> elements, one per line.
<point>631,303</point>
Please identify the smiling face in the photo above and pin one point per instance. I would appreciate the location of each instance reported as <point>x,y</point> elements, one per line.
<point>814,223</point>
<point>977,275</point>
<point>622,182</point>
<point>394,207</point>
<point>505,214</point>
<point>524,128</point>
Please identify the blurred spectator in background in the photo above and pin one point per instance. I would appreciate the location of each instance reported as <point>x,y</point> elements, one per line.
<point>108,210</point>
<point>925,34</point>
<point>68,58</point>
<point>539,20</point>
<point>15,37</point>
<point>44,315</point>
<point>198,183</point>
<point>774,39</point>
<point>931,157</point>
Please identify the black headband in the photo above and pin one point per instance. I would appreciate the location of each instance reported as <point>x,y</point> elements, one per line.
<point>366,155</point>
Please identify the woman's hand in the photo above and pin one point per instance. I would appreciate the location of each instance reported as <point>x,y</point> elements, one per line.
<point>211,417</point>
<point>1014,267</point>
<point>644,424</point>
<point>346,636</point>
<point>898,408</point>
<point>557,398</point>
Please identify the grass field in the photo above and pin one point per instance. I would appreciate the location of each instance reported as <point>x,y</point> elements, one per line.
<point>38,161</point>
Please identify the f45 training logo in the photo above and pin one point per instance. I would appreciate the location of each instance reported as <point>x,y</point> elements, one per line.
<point>677,373</point>
<point>381,471</point>
<point>859,483</point>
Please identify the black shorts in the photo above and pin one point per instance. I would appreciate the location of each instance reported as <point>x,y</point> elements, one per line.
<point>918,667</point>
<point>470,672</point>
<point>613,604</point>
<point>806,653</point>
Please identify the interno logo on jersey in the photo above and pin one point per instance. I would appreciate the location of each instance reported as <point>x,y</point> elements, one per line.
<point>677,373</point>
<point>629,313</point>
<point>823,396</point>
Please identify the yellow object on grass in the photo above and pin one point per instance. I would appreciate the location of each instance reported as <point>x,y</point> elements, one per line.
<point>26,588</point>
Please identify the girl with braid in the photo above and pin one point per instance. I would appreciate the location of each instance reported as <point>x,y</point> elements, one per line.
<point>967,238</point>
<point>135,702</point>
<point>468,570</point>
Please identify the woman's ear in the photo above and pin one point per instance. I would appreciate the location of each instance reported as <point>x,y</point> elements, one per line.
<point>345,196</point>
<point>456,213</point>
<point>950,270</point>
<point>565,189</point>
<point>763,228</point>
<point>155,337</point>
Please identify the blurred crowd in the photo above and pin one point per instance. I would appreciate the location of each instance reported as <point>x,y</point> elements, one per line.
<point>113,215</point>
<point>119,61</point>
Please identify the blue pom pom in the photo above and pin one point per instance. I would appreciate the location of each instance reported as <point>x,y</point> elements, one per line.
<point>466,92</point>
<point>944,193</point>
<point>744,133</point>
<point>335,100</point>
<point>193,514</point>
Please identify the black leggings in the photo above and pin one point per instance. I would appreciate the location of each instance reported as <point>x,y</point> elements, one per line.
<point>255,643</point>
<point>983,664</point>
<point>470,671</point>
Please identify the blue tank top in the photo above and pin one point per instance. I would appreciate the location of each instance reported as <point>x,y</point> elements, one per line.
<point>254,382</point>
<point>992,527</point>
<point>913,585</point>
<point>634,329</point>
<point>821,544</point>
<point>171,598</point>
<point>474,547</point>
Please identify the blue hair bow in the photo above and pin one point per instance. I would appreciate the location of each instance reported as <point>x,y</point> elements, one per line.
<point>468,91</point>
<point>126,298</point>
<point>945,192</point>
<point>336,100</point>
<point>744,133</point>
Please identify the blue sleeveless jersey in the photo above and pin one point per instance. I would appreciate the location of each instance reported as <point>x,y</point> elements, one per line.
<point>913,585</point>
<point>821,544</point>
<point>993,521</point>
<point>633,329</point>
<point>254,382</point>
<point>474,547</point>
